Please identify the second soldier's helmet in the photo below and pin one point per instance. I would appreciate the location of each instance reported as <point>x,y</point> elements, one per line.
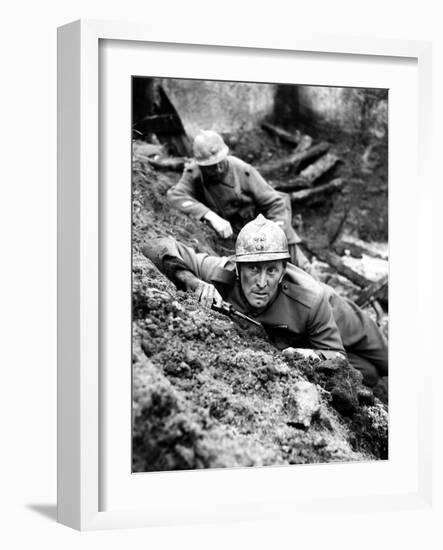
<point>261,240</point>
<point>209,148</point>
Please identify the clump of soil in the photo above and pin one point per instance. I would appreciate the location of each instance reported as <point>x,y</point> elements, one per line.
<point>210,393</point>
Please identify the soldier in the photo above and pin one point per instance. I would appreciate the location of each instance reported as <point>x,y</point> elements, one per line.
<point>227,193</point>
<point>302,316</point>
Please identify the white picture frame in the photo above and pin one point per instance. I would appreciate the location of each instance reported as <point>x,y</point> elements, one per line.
<point>80,261</point>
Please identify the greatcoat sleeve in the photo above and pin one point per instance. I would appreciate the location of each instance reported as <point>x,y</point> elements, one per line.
<point>170,256</point>
<point>322,329</point>
<point>185,194</point>
<point>270,202</point>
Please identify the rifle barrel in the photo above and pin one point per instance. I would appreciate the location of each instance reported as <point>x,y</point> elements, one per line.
<point>229,310</point>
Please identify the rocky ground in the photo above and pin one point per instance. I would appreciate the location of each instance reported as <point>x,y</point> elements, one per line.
<point>210,393</point>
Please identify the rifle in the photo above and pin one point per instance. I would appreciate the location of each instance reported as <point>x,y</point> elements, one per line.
<point>371,294</point>
<point>228,310</point>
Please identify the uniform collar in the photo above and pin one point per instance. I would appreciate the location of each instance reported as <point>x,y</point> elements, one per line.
<point>227,179</point>
<point>243,303</point>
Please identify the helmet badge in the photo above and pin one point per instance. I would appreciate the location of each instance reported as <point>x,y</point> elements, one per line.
<point>259,241</point>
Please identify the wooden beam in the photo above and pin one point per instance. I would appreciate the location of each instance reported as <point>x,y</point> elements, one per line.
<point>306,194</point>
<point>176,164</point>
<point>284,135</point>
<point>335,261</point>
<point>317,169</point>
<point>360,248</point>
<point>293,161</point>
<point>304,143</point>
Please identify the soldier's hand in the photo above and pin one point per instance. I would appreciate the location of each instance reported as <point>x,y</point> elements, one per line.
<point>207,294</point>
<point>300,353</point>
<point>220,225</point>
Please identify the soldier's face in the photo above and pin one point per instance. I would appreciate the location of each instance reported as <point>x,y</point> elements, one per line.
<point>215,171</point>
<point>260,280</point>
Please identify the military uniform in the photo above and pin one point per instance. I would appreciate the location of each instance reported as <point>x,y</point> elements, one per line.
<point>238,196</point>
<point>304,314</point>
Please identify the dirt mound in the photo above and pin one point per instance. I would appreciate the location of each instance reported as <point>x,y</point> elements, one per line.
<point>208,392</point>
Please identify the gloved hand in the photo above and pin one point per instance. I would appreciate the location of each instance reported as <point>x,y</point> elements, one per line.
<point>300,353</point>
<point>220,225</point>
<point>207,294</point>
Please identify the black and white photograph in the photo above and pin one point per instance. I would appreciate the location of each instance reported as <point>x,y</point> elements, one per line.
<point>229,232</point>
<point>259,274</point>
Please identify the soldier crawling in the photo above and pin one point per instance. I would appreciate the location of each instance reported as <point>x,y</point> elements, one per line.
<point>227,193</point>
<point>303,317</point>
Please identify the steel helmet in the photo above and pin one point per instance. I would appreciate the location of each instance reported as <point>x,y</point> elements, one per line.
<point>261,240</point>
<point>209,148</point>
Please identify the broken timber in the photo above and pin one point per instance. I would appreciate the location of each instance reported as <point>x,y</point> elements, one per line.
<point>317,169</point>
<point>293,139</point>
<point>309,175</point>
<point>176,164</point>
<point>334,261</point>
<point>334,235</point>
<point>306,194</point>
<point>372,291</point>
<point>357,249</point>
<point>304,143</point>
<point>293,161</point>
<point>145,150</point>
